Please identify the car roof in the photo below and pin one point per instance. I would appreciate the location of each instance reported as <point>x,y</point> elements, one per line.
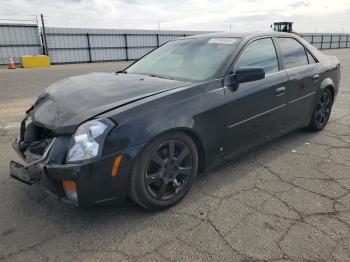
<point>246,35</point>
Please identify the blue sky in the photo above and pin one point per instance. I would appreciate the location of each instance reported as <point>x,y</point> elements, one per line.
<point>217,15</point>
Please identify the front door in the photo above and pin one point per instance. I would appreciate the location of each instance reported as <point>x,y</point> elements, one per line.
<point>255,112</point>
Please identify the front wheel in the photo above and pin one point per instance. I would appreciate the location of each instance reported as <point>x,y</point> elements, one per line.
<point>322,111</point>
<point>165,171</point>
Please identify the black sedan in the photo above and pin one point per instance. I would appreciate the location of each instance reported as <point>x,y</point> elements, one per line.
<point>191,104</point>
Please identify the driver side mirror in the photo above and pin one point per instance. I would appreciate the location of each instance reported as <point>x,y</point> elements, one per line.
<point>244,75</point>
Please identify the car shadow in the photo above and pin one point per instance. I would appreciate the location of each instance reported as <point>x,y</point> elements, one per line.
<point>284,144</point>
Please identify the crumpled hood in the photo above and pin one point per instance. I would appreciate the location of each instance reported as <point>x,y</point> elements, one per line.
<point>69,102</point>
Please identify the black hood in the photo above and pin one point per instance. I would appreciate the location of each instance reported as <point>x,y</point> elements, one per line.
<point>69,102</point>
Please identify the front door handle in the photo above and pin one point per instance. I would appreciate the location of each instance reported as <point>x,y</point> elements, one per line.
<point>316,77</point>
<point>280,91</point>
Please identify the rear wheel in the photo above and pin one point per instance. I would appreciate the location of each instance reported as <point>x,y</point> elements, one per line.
<point>322,111</point>
<point>165,171</point>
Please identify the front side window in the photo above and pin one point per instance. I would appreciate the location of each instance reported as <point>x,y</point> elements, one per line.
<point>189,59</point>
<point>293,52</point>
<point>260,53</point>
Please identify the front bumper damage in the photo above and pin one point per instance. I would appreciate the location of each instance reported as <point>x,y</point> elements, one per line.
<point>31,172</point>
<point>93,179</point>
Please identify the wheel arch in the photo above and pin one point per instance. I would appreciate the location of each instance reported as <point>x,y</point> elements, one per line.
<point>328,83</point>
<point>331,88</point>
<point>196,139</point>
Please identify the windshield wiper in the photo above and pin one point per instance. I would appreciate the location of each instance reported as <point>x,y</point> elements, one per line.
<point>121,72</point>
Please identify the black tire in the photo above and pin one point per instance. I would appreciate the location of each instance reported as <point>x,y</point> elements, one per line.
<point>164,171</point>
<point>322,111</point>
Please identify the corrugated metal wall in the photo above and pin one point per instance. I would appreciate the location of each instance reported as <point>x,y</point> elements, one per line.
<point>80,45</point>
<point>325,41</point>
<point>75,45</point>
<point>17,40</point>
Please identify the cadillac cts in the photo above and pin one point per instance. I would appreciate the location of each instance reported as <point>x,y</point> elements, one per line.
<point>146,132</point>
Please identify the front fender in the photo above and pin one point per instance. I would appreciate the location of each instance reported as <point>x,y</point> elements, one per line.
<point>199,110</point>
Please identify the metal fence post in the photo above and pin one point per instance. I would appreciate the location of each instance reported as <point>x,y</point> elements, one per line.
<point>126,47</point>
<point>347,41</point>
<point>312,39</point>
<point>44,35</point>
<point>330,46</point>
<point>157,40</point>
<point>321,41</point>
<point>89,47</point>
<point>339,41</point>
<point>42,43</point>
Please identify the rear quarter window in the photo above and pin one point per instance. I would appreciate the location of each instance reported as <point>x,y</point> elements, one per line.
<point>310,58</point>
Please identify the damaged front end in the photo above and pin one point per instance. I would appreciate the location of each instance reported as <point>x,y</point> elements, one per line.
<point>30,172</point>
<point>69,151</point>
<point>50,163</point>
<point>35,146</point>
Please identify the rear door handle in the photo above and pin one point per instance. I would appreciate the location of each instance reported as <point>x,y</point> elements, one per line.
<point>280,91</point>
<point>316,77</point>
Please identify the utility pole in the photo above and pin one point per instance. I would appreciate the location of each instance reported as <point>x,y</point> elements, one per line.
<point>230,27</point>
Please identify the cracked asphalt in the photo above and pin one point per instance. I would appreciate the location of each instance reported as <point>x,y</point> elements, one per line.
<point>286,201</point>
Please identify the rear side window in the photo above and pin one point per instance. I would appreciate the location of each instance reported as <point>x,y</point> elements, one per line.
<point>293,52</point>
<point>260,53</point>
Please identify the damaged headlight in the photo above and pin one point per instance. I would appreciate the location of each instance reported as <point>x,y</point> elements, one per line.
<point>88,140</point>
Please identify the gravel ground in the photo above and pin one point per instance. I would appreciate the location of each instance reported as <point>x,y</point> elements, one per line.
<point>286,201</point>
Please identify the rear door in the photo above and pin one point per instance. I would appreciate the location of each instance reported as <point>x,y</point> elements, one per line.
<point>303,73</point>
<point>255,111</point>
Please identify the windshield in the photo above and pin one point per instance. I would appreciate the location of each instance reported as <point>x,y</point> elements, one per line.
<point>190,59</point>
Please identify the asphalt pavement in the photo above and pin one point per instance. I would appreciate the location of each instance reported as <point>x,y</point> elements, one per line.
<point>286,201</point>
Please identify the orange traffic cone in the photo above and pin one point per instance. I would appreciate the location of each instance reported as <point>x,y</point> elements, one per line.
<point>11,64</point>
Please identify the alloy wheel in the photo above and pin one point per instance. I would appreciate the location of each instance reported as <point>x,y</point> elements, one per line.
<point>323,109</point>
<point>169,170</point>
